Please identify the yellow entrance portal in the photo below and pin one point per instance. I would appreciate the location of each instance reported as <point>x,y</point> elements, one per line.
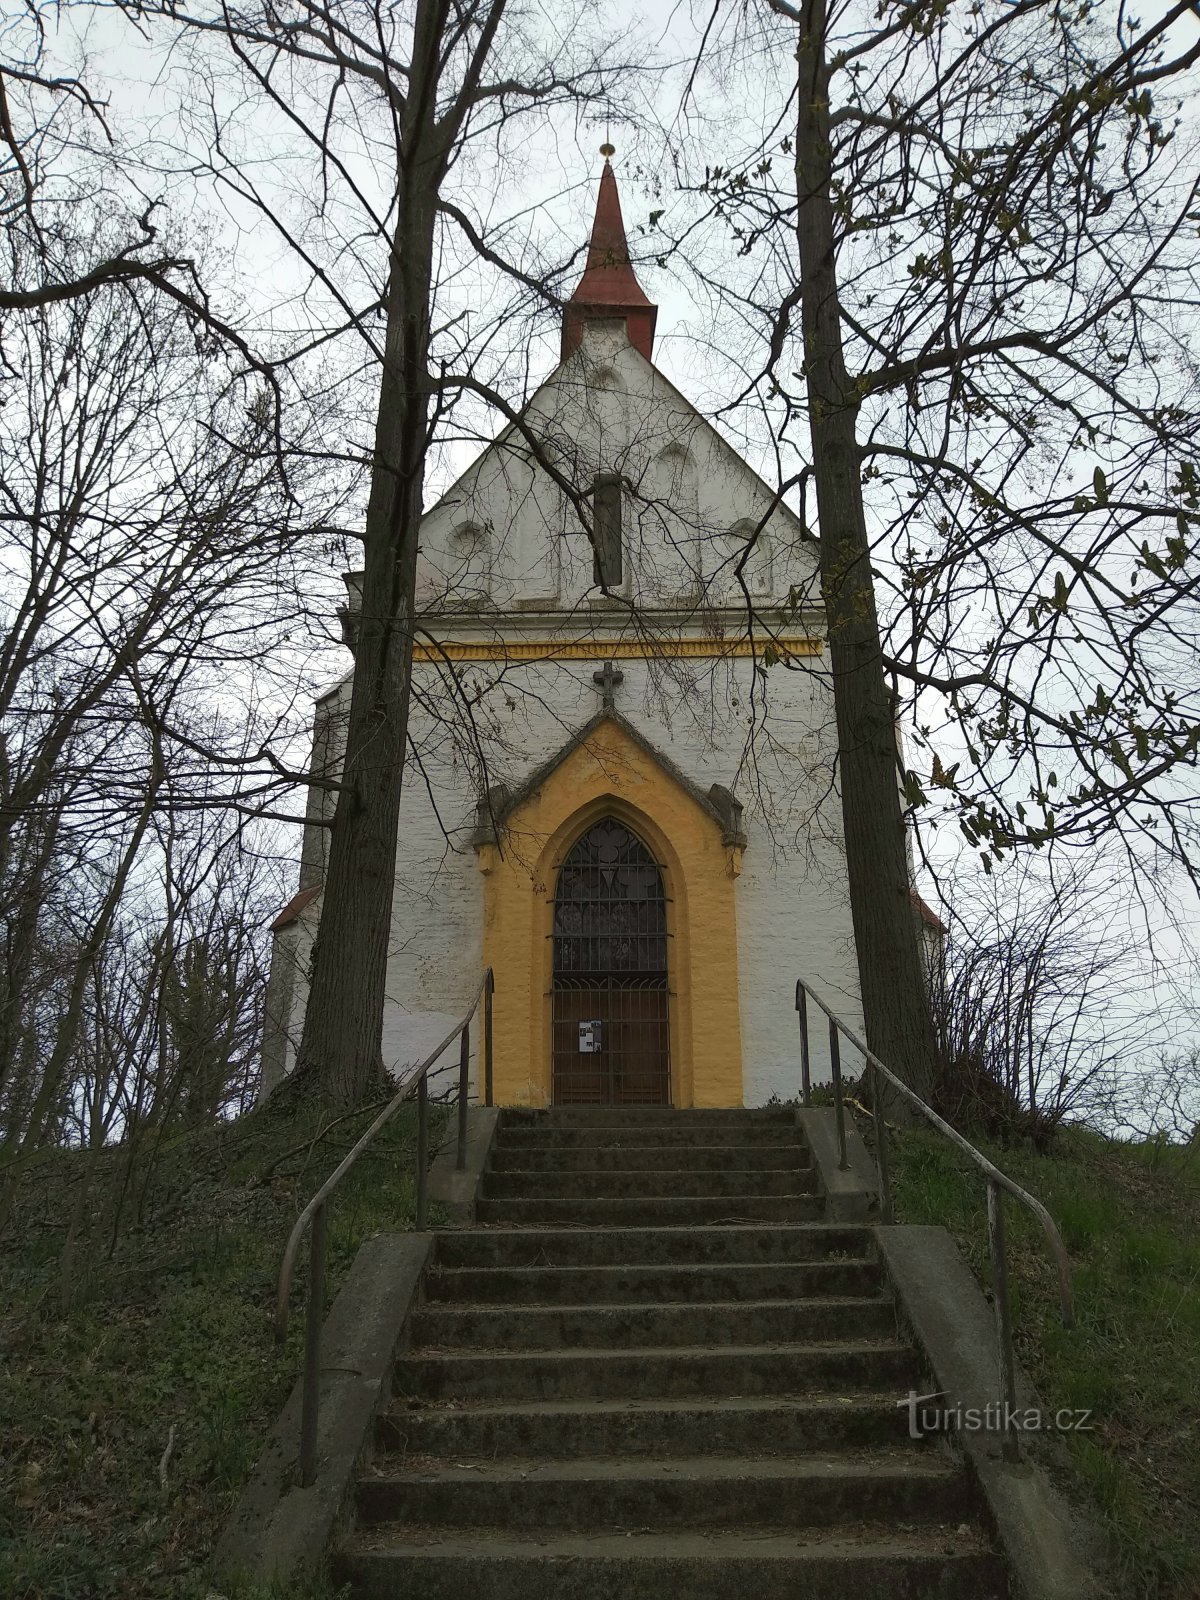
<point>610,773</point>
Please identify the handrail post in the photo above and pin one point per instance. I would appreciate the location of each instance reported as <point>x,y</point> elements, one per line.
<point>881,1149</point>
<point>422,1153</point>
<point>488,987</point>
<point>805,1063</point>
<point>835,1061</point>
<point>1008,1381</point>
<point>311,1398</point>
<point>464,1068</point>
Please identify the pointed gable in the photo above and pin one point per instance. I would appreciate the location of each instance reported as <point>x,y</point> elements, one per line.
<point>608,741</point>
<point>507,535</point>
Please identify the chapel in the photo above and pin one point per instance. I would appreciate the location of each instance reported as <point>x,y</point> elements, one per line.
<point>621,792</point>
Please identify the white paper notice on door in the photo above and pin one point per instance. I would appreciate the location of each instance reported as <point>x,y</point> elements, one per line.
<point>589,1038</point>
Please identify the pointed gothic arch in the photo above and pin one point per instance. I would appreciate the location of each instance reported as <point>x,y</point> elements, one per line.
<point>469,563</point>
<point>668,499</point>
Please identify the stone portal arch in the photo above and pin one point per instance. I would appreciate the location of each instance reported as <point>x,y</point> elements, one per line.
<point>610,774</point>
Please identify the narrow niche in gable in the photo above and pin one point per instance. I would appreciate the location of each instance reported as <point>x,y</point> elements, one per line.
<point>535,532</point>
<point>469,575</point>
<point>757,570</point>
<point>668,517</point>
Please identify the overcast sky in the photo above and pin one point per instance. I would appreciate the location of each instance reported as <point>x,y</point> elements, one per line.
<point>547,188</point>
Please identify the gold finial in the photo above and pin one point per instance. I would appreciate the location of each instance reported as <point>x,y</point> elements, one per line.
<point>607,150</point>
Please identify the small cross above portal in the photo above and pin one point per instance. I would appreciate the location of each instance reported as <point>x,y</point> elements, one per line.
<point>608,680</point>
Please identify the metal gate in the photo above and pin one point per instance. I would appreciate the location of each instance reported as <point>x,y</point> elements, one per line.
<point>611,1034</point>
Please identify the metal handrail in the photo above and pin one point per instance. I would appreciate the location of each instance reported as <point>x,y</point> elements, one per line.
<point>315,1211</point>
<point>997,1182</point>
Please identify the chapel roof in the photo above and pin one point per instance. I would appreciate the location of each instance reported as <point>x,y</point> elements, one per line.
<point>291,912</point>
<point>926,913</point>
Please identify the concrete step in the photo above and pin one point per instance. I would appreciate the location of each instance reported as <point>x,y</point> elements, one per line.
<point>680,1210</point>
<point>598,1494</point>
<point>649,1116</point>
<point>869,1563</point>
<point>571,1429</point>
<point>583,1136</point>
<point>786,1155</point>
<point>630,1327</point>
<point>612,1285</point>
<point>684,1372</point>
<point>668,1182</point>
<point>727,1245</point>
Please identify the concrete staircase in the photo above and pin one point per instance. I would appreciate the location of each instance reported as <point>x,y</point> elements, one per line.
<point>654,1370</point>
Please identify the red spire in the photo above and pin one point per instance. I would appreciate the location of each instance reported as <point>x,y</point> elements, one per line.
<point>609,287</point>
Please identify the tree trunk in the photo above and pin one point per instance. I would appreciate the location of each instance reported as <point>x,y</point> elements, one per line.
<point>340,1059</point>
<point>895,1006</point>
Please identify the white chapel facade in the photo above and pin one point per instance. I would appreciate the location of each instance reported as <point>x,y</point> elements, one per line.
<point>621,788</point>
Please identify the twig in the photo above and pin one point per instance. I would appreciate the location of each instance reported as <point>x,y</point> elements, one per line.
<point>308,1144</point>
<point>866,1113</point>
<point>166,1456</point>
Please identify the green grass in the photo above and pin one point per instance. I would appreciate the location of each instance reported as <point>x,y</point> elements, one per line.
<point>1130,1217</point>
<point>173,1330</point>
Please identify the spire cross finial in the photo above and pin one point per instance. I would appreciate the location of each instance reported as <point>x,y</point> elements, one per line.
<point>608,681</point>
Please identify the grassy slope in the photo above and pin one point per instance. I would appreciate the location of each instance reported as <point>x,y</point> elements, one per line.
<point>173,1330</point>
<point>1130,1216</point>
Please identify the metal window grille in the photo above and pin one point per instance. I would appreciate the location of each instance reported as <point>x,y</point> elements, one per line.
<point>611,1033</point>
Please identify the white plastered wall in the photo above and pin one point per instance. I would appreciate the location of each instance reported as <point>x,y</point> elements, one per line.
<point>504,556</point>
<point>792,909</point>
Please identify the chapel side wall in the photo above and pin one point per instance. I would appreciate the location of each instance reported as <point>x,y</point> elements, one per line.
<point>291,946</point>
<point>435,946</point>
<point>278,1006</point>
<point>328,751</point>
<point>291,966</point>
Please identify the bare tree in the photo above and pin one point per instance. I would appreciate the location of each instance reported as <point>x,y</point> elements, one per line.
<point>990,245</point>
<point>58,152</point>
<point>388,102</point>
<point>1038,995</point>
<point>1158,1102</point>
<point>151,542</point>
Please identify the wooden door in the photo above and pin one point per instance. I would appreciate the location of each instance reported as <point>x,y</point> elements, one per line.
<point>611,1032</point>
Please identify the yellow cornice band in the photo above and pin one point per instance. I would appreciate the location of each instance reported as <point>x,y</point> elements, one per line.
<point>610,649</point>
